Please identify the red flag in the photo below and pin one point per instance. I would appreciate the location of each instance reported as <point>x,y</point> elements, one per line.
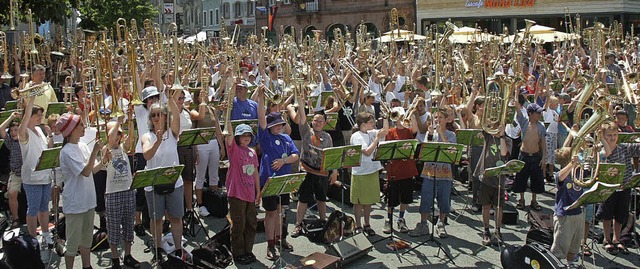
<point>272,16</point>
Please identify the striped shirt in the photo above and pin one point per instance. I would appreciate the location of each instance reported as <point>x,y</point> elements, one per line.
<point>623,153</point>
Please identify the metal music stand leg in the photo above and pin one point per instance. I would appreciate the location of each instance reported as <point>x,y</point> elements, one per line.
<point>191,219</point>
<point>391,236</point>
<point>280,262</point>
<point>431,237</point>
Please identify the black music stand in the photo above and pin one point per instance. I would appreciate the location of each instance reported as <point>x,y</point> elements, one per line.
<point>511,167</point>
<point>154,177</point>
<point>470,138</point>
<point>189,138</point>
<point>389,151</point>
<point>438,152</point>
<point>277,186</point>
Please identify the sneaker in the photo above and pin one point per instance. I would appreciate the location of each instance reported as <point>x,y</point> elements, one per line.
<point>202,210</point>
<point>442,232</point>
<point>297,231</point>
<point>115,264</point>
<point>139,229</point>
<point>47,239</point>
<point>284,245</point>
<point>476,208</point>
<point>368,230</point>
<point>252,257</point>
<point>486,238</point>
<point>421,229</point>
<point>387,227</point>
<point>272,254</point>
<point>402,226</point>
<point>242,260</point>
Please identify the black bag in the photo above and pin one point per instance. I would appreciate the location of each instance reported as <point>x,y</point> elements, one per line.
<point>522,257</point>
<point>100,240</point>
<point>541,230</point>
<point>337,193</point>
<point>216,203</point>
<point>331,231</point>
<point>215,253</point>
<point>22,251</point>
<point>313,229</point>
<point>4,224</point>
<point>163,189</point>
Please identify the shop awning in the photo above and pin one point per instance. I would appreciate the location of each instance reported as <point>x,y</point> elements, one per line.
<point>202,36</point>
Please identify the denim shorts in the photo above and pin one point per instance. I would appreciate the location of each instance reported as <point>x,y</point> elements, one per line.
<point>38,198</point>
<point>443,195</point>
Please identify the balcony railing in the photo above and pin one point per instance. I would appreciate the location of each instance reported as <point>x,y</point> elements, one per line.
<point>311,6</point>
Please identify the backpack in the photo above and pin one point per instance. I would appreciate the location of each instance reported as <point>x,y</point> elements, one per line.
<point>215,252</point>
<point>22,251</point>
<point>541,230</point>
<point>331,231</point>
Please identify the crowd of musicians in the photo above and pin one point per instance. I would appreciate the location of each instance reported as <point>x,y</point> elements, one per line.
<point>393,93</point>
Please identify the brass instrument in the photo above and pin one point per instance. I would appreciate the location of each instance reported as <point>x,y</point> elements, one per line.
<point>592,156</point>
<point>121,33</point>
<point>583,97</point>
<point>67,90</point>
<point>28,92</point>
<point>629,94</point>
<point>497,100</point>
<point>132,58</point>
<point>275,98</point>
<point>116,111</point>
<point>12,26</point>
<point>176,75</point>
<point>5,53</point>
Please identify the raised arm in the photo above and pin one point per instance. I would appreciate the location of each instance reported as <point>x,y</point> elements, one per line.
<point>23,136</point>
<point>262,110</point>
<point>175,113</point>
<point>5,124</point>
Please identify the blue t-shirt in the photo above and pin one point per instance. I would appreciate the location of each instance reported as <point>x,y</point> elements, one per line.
<point>244,110</point>
<point>568,192</point>
<point>274,147</point>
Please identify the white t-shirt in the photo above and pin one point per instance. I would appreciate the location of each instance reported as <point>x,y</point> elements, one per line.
<point>399,83</point>
<point>142,117</point>
<point>79,194</point>
<point>367,165</point>
<point>185,120</point>
<point>31,151</point>
<point>376,88</point>
<point>118,172</point>
<point>551,116</point>
<point>166,155</point>
<point>419,135</point>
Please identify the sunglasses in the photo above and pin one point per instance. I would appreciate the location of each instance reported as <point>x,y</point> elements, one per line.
<point>182,98</point>
<point>156,114</point>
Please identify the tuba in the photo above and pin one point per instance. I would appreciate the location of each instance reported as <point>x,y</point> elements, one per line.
<point>5,53</point>
<point>498,95</point>
<point>591,156</point>
<point>583,97</point>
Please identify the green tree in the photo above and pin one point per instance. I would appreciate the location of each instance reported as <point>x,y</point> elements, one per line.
<point>100,14</point>
<point>43,10</point>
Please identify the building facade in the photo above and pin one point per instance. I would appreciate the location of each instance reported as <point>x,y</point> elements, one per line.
<point>305,16</point>
<point>493,15</point>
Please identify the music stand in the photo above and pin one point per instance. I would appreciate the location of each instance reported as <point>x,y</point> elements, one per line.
<point>50,159</point>
<point>277,186</point>
<point>438,152</point>
<point>389,151</point>
<point>190,138</point>
<point>154,177</point>
<point>511,167</point>
<point>471,138</point>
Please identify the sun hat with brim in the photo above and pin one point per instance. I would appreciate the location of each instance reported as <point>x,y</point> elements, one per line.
<point>243,129</point>
<point>534,108</point>
<point>148,92</point>
<point>273,119</point>
<point>67,122</point>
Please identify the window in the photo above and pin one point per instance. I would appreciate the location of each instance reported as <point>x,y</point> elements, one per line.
<point>251,9</point>
<point>211,17</point>
<point>217,16</point>
<point>237,10</point>
<point>287,2</point>
<point>204,18</point>
<point>226,10</point>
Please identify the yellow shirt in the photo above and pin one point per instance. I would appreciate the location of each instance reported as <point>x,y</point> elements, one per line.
<point>47,96</point>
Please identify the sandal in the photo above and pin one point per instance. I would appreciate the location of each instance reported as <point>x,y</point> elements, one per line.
<point>586,250</point>
<point>610,248</point>
<point>369,231</point>
<point>621,248</point>
<point>535,206</point>
<point>520,204</point>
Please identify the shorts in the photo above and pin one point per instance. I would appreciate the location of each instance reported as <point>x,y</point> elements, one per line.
<point>100,183</point>
<point>15,183</point>
<point>38,198</point>
<point>589,212</point>
<point>173,203</point>
<point>271,203</point>
<point>530,170</point>
<point>567,235</point>
<point>615,207</point>
<point>489,195</point>
<point>187,157</point>
<point>443,195</point>
<point>399,191</point>
<point>365,189</point>
<point>313,188</point>
<point>138,163</point>
<point>120,216</point>
<point>79,229</point>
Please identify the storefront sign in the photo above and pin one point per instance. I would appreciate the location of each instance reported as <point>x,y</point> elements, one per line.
<point>500,3</point>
